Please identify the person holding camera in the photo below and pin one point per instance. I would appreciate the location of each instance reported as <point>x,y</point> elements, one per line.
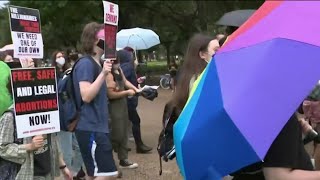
<point>119,88</point>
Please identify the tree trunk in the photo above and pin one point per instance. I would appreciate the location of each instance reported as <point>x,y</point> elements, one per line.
<point>168,45</point>
<point>140,59</point>
<point>202,15</point>
<point>125,21</point>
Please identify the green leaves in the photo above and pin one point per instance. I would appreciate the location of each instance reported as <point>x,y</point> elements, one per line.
<point>174,21</point>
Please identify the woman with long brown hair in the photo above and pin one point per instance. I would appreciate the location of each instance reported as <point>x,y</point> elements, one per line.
<point>59,61</point>
<point>200,50</point>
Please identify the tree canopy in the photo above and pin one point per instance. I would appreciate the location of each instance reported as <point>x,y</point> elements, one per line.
<point>174,21</point>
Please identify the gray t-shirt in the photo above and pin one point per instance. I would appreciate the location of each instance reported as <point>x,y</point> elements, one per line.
<point>94,115</point>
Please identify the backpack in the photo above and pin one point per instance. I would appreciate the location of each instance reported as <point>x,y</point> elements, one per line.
<point>311,106</point>
<point>166,148</point>
<point>8,169</point>
<point>69,110</point>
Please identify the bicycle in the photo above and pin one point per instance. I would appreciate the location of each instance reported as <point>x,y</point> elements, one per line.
<point>165,81</point>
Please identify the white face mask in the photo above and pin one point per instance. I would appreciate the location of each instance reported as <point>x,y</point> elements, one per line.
<point>61,61</point>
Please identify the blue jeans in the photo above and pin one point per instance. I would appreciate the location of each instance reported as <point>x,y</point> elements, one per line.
<point>70,150</point>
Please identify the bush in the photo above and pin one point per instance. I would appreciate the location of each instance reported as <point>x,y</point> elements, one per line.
<point>153,68</point>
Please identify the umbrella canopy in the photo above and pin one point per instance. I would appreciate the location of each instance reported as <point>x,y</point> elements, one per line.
<point>137,38</point>
<point>249,90</point>
<point>235,18</point>
<point>7,47</point>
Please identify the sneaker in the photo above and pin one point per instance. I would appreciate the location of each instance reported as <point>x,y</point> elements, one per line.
<point>127,164</point>
<point>143,149</point>
<point>119,174</point>
<point>80,175</point>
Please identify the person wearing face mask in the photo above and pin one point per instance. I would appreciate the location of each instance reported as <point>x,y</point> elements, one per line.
<point>67,140</point>
<point>119,88</point>
<point>59,62</point>
<point>5,56</point>
<point>90,89</point>
<point>73,56</point>
<point>133,55</point>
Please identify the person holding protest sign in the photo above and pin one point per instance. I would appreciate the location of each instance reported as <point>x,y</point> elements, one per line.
<point>65,138</point>
<point>119,88</point>
<point>89,79</point>
<point>29,158</point>
<point>27,62</point>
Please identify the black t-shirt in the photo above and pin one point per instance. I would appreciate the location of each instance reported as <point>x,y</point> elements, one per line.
<point>286,151</point>
<point>42,160</point>
<point>173,72</point>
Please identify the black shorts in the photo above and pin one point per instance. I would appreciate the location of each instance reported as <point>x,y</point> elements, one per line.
<point>258,176</point>
<point>96,151</point>
<point>173,74</point>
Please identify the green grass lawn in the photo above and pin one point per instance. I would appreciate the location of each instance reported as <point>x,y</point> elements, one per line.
<point>155,67</point>
<point>157,64</point>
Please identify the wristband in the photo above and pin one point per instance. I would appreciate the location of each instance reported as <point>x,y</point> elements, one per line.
<point>62,167</point>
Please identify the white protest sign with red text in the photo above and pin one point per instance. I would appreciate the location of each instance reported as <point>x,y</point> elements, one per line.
<point>35,101</point>
<point>111,17</point>
<point>26,32</point>
<point>111,13</point>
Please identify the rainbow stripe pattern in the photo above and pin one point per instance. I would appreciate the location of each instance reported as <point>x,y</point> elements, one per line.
<point>249,90</point>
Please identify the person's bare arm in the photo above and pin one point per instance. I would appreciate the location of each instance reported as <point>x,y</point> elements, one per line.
<point>275,173</point>
<point>89,90</point>
<point>9,150</point>
<point>112,92</point>
<point>128,84</point>
<point>65,170</point>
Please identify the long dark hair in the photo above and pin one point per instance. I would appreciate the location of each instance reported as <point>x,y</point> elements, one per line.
<point>193,65</point>
<point>54,63</point>
<point>3,55</point>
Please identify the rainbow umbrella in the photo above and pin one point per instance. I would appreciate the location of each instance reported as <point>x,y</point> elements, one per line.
<point>249,90</point>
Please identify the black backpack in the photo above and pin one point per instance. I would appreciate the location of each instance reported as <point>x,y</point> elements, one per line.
<point>166,148</point>
<point>8,169</point>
